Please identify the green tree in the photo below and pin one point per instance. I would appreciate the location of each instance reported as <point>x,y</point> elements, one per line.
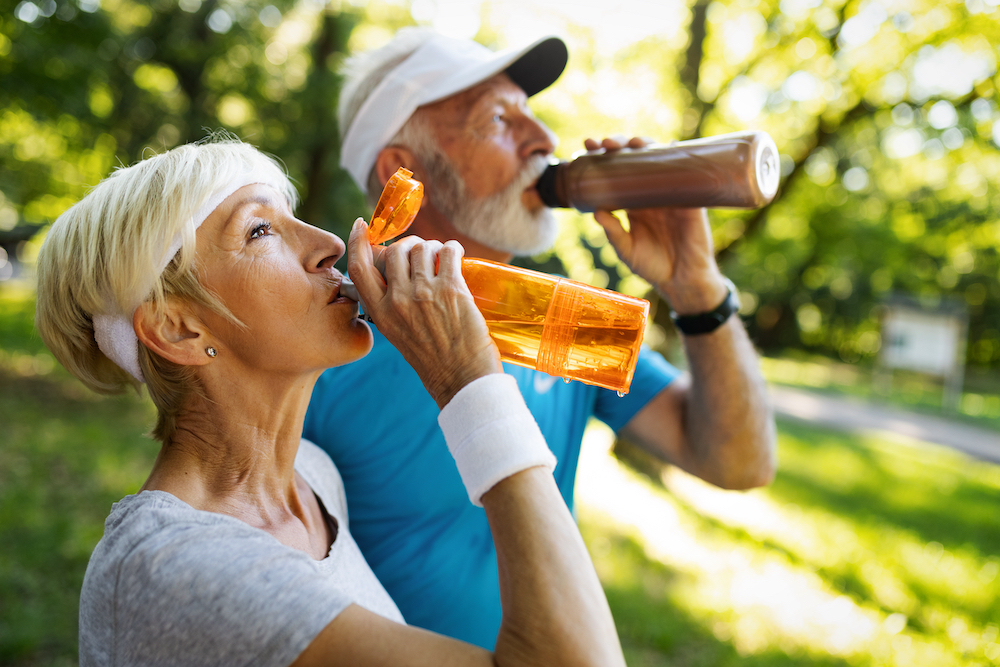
<point>88,85</point>
<point>886,117</point>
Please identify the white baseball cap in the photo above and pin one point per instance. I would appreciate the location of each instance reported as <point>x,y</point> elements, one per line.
<point>440,68</point>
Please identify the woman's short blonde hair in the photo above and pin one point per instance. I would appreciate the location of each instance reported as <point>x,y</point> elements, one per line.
<point>103,256</point>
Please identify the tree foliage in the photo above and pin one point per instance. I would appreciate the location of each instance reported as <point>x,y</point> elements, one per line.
<point>885,112</point>
<point>89,85</point>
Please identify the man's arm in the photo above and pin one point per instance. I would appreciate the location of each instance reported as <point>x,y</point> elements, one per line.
<point>716,421</point>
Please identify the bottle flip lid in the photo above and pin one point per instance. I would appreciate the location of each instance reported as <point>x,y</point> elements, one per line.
<point>396,210</point>
<point>397,207</point>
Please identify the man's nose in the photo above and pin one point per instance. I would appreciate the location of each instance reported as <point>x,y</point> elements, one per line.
<point>538,139</point>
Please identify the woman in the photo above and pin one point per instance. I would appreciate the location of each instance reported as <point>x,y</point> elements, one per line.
<point>237,549</point>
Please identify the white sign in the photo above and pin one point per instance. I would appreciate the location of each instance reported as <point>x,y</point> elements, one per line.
<point>922,341</point>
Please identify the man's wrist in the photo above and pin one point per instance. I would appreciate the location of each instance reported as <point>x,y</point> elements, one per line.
<point>709,320</point>
<point>697,297</point>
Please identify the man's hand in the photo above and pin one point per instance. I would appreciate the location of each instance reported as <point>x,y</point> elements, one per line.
<point>671,248</point>
<point>716,422</point>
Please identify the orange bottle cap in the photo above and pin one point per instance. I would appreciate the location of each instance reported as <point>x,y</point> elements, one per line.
<point>397,207</point>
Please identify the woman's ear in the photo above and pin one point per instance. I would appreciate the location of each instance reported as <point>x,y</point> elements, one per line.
<point>391,158</point>
<point>173,332</point>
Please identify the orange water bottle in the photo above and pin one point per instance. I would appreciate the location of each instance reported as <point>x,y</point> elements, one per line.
<point>555,325</point>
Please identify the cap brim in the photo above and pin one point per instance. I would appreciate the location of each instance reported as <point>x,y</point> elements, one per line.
<point>540,65</point>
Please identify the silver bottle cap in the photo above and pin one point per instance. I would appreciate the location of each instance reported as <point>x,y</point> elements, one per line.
<point>348,289</point>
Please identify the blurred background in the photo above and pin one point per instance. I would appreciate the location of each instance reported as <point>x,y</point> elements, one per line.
<point>871,285</point>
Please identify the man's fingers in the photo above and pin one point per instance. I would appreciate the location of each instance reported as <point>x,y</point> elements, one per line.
<point>639,142</point>
<point>617,141</point>
<point>615,231</point>
<point>614,142</point>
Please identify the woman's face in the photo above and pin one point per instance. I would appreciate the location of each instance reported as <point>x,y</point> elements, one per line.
<point>275,273</point>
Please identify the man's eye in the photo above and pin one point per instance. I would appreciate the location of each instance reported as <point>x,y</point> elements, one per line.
<point>262,229</point>
<point>497,118</point>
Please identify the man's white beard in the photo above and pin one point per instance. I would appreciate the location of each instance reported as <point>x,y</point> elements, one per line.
<point>499,221</point>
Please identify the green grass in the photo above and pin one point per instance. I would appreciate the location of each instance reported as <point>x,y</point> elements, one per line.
<point>66,456</point>
<point>903,538</point>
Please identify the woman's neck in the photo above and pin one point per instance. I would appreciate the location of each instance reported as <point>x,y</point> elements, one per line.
<point>236,445</point>
<point>233,452</point>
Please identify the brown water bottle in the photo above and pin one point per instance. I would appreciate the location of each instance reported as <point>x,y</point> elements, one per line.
<point>738,170</point>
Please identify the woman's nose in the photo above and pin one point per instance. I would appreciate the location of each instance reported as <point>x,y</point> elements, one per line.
<point>324,249</point>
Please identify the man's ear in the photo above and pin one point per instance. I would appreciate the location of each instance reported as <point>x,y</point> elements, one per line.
<point>174,332</point>
<point>391,158</point>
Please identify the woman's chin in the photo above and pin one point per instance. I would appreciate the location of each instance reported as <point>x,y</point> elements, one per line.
<point>358,345</point>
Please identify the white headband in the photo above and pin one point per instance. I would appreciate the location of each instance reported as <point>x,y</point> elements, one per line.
<point>113,331</point>
<point>438,69</point>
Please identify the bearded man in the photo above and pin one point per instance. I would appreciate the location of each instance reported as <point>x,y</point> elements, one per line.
<point>455,113</point>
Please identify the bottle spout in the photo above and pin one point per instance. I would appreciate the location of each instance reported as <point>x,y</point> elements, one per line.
<point>547,187</point>
<point>348,289</point>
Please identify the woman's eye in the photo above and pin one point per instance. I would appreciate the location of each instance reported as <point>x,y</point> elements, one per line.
<point>497,118</point>
<point>261,229</point>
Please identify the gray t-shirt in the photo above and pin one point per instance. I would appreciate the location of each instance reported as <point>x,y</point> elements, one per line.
<point>172,585</point>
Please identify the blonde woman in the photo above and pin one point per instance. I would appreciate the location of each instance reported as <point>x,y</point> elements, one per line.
<point>188,273</point>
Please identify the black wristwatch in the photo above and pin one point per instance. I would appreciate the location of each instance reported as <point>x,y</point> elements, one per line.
<point>703,323</point>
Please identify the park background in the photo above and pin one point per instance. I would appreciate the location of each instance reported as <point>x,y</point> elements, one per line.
<point>870,548</point>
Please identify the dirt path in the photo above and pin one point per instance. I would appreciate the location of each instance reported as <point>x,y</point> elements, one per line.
<point>851,414</point>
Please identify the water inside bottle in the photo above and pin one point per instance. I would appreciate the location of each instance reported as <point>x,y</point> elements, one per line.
<point>598,347</point>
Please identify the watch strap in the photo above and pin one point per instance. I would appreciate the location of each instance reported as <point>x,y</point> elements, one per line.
<point>703,323</point>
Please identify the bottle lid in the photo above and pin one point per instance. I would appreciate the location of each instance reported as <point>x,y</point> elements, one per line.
<point>348,289</point>
<point>768,168</point>
<point>546,187</point>
<point>396,208</point>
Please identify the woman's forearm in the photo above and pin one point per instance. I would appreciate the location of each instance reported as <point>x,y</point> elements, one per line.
<point>554,609</point>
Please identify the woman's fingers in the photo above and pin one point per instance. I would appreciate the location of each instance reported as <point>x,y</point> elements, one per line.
<point>397,261</point>
<point>429,315</point>
<point>423,261</point>
<point>360,264</point>
<point>450,261</point>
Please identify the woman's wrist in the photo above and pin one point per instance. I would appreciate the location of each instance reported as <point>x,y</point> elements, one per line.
<point>453,382</point>
<point>491,434</point>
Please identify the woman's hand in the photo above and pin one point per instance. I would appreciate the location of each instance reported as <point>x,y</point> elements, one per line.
<point>430,316</point>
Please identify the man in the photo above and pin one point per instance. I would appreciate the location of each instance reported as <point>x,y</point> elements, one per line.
<point>455,114</point>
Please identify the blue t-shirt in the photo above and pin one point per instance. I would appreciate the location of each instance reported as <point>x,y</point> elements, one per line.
<point>409,512</point>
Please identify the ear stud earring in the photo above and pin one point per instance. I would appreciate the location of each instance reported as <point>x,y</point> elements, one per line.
<point>211,351</point>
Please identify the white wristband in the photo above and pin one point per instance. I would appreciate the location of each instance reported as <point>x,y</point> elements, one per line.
<point>491,434</point>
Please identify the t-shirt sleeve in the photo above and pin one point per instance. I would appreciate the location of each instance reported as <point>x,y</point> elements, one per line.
<point>652,374</point>
<point>181,590</point>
